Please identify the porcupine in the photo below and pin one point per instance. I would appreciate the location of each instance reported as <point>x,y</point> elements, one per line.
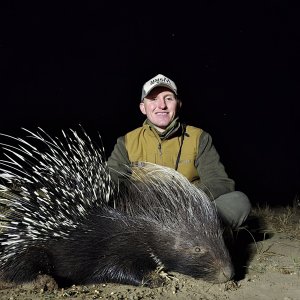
<point>67,219</point>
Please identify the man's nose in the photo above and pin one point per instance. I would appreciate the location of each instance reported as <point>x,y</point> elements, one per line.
<point>162,103</point>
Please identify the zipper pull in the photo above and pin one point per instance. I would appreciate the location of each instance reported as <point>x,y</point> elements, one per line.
<point>159,148</point>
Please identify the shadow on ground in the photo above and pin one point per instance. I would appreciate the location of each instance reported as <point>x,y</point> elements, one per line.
<point>242,244</point>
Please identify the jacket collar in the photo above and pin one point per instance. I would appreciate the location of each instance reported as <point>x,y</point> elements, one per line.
<point>171,130</point>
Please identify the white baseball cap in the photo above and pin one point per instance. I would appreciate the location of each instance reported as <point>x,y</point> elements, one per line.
<point>158,80</point>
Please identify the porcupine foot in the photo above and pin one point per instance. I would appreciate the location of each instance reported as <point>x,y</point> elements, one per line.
<point>45,283</point>
<point>157,278</point>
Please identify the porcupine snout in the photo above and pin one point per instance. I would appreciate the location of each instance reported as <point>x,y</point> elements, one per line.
<point>219,263</point>
<point>226,272</point>
<point>215,270</point>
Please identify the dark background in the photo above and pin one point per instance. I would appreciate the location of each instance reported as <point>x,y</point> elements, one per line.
<point>236,66</point>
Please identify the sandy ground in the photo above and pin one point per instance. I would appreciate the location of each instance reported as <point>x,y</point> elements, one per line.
<point>268,268</point>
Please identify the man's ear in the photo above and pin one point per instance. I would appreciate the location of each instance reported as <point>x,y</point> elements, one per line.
<point>142,108</point>
<point>179,104</point>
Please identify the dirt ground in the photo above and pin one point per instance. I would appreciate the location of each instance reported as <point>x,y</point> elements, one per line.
<point>266,258</point>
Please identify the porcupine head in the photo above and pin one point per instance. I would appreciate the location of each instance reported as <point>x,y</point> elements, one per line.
<point>184,232</point>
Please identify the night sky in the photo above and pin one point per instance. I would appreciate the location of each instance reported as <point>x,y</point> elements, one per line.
<point>236,66</point>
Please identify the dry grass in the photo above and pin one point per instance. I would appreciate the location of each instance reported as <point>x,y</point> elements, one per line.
<point>283,219</point>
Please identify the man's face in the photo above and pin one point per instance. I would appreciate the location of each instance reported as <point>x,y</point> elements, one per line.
<point>160,106</point>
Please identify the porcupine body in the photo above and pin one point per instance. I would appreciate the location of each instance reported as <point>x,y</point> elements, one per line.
<point>67,219</point>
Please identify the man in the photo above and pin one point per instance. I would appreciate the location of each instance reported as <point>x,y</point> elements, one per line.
<point>164,140</point>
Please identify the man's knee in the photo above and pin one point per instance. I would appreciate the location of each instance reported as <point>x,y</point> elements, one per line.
<point>241,199</point>
<point>233,208</point>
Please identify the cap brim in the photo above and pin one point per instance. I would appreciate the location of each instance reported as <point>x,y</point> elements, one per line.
<point>159,85</point>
